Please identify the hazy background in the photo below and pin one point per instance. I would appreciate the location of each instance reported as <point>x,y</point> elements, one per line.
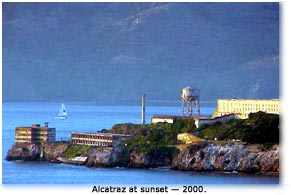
<point>115,52</point>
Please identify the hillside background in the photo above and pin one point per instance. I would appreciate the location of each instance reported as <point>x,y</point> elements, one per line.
<point>112,52</point>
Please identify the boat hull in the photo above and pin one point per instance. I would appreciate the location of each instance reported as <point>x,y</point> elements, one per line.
<point>61,117</point>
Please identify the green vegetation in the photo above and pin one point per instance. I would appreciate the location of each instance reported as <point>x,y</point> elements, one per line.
<point>129,128</point>
<point>185,125</point>
<point>74,150</point>
<point>180,126</point>
<point>160,139</point>
<point>260,128</point>
<point>157,140</point>
<point>154,139</point>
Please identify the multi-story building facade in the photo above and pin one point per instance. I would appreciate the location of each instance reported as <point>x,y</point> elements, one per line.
<point>243,107</point>
<point>35,134</point>
<point>97,139</point>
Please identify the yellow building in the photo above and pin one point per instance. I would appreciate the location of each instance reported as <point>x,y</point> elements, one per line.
<point>35,134</point>
<point>243,107</point>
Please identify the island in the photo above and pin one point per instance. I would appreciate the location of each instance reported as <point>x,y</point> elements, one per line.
<point>236,145</point>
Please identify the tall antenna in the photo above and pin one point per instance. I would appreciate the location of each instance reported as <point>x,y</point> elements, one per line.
<point>143,109</point>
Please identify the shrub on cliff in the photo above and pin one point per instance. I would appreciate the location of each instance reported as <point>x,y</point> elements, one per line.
<point>158,141</point>
<point>128,128</point>
<point>264,128</point>
<point>260,127</point>
<point>74,150</point>
<point>180,126</point>
<point>185,125</point>
<point>154,139</point>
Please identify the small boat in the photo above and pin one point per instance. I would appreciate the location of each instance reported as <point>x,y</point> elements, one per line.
<point>79,160</point>
<point>62,113</point>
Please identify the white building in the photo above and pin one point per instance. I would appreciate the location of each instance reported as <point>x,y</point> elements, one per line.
<point>164,119</point>
<point>243,107</point>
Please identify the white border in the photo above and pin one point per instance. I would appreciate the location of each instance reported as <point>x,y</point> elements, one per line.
<point>283,188</point>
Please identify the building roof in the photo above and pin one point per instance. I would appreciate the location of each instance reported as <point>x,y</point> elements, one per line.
<point>237,99</point>
<point>34,127</point>
<point>165,116</point>
<point>99,133</point>
<point>218,117</point>
<point>179,116</point>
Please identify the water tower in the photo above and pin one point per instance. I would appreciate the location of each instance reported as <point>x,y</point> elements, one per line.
<point>190,101</point>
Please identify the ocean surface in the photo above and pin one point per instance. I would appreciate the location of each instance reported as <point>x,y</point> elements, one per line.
<point>91,117</point>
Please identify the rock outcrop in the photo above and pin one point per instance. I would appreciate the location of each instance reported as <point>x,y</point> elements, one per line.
<point>227,157</point>
<point>142,160</point>
<point>26,152</point>
<point>269,160</point>
<point>201,156</point>
<point>107,157</point>
<point>51,152</point>
<point>99,158</point>
<point>32,152</point>
<point>139,160</point>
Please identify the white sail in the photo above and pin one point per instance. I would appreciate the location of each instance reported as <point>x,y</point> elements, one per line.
<point>62,112</point>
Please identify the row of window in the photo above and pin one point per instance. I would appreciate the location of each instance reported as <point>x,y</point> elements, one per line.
<point>275,106</point>
<point>33,140</point>
<point>35,130</point>
<point>251,106</point>
<point>91,136</point>
<point>34,134</point>
<point>249,110</point>
<point>91,143</point>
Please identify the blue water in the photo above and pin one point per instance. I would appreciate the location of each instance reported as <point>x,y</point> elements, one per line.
<point>90,117</point>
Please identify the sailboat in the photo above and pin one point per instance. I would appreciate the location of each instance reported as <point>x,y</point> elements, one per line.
<point>62,112</point>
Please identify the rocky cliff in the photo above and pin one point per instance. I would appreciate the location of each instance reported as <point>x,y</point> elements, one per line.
<point>228,157</point>
<point>195,157</point>
<point>26,152</point>
<point>107,157</point>
<point>51,152</point>
<point>32,152</point>
<point>142,160</point>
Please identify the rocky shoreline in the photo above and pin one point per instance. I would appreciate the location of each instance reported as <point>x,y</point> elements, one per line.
<point>228,157</point>
<point>202,156</point>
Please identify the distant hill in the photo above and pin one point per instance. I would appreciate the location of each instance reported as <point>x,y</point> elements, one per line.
<point>108,52</point>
